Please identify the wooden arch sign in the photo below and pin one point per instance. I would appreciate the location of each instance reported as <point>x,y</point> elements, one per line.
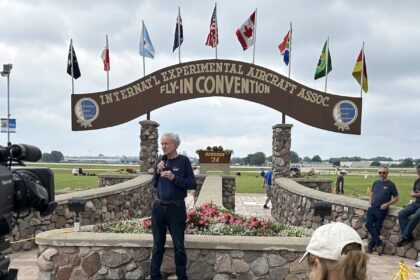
<point>207,78</point>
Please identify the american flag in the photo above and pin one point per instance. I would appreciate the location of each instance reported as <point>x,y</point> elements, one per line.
<point>213,37</point>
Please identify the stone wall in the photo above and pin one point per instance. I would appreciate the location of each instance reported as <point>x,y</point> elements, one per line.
<point>281,150</point>
<point>228,190</point>
<point>323,185</point>
<point>113,179</point>
<point>149,138</point>
<point>293,204</point>
<point>126,200</point>
<point>107,256</point>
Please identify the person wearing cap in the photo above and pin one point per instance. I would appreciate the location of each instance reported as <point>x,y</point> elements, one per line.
<point>335,252</point>
<point>339,185</point>
<point>384,193</point>
<point>408,225</point>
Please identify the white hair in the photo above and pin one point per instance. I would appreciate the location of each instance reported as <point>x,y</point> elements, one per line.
<point>174,137</point>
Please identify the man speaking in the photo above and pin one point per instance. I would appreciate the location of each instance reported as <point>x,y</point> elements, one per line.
<point>172,178</point>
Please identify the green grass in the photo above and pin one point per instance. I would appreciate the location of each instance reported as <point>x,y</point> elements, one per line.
<point>250,180</point>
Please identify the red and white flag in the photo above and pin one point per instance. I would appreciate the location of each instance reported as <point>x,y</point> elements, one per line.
<point>213,36</point>
<point>105,56</point>
<point>246,33</point>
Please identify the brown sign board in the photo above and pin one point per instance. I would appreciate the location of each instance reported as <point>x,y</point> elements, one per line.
<point>213,157</point>
<point>208,78</point>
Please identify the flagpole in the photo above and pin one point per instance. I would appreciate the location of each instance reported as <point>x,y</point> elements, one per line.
<point>144,61</point>
<point>72,66</point>
<point>363,68</point>
<point>326,64</point>
<point>107,71</point>
<point>283,117</point>
<point>217,31</point>
<point>178,22</point>
<point>255,34</point>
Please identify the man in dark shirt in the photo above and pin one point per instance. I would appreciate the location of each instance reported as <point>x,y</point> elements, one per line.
<point>172,178</point>
<point>339,185</point>
<point>408,225</point>
<point>384,193</point>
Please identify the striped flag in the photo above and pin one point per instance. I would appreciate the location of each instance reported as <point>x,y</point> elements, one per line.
<point>213,36</point>
<point>105,56</point>
<point>246,32</point>
<point>284,48</point>
<point>146,48</point>
<point>359,73</point>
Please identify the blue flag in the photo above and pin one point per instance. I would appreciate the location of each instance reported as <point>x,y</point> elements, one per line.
<point>145,46</point>
<point>179,34</point>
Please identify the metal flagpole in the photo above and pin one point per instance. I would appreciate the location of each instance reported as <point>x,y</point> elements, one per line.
<point>144,61</point>
<point>215,24</point>
<point>363,68</point>
<point>326,62</point>
<point>107,69</point>
<point>72,66</point>
<point>178,22</point>
<point>255,38</point>
<point>8,110</point>
<point>283,116</point>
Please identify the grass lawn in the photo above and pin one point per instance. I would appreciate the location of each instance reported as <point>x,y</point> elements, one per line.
<point>250,180</point>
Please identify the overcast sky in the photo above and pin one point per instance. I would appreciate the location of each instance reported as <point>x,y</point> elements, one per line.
<point>35,35</point>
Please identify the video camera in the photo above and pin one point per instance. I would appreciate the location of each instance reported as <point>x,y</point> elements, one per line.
<point>21,189</point>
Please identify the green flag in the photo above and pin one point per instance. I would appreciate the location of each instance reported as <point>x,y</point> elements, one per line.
<point>322,62</point>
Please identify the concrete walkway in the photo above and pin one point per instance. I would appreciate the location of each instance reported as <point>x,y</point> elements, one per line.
<point>379,267</point>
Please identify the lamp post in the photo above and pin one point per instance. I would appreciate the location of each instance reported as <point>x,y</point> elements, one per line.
<point>6,73</point>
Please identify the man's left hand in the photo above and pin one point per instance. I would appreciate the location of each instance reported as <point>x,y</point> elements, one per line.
<point>167,174</point>
<point>384,206</point>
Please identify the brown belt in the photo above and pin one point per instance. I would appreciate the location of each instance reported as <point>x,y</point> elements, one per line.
<point>168,202</point>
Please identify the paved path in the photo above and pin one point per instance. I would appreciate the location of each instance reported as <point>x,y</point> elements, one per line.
<point>379,267</point>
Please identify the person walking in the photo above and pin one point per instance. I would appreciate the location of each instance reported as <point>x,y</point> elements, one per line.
<point>408,225</point>
<point>267,186</point>
<point>339,184</point>
<point>384,193</point>
<point>172,177</point>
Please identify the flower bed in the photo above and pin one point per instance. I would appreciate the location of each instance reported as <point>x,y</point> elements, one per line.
<point>210,219</point>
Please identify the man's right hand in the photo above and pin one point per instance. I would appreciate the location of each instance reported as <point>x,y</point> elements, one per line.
<point>160,166</point>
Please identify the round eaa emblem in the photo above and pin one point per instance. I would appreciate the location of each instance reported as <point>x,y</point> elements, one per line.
<point>86,111</point>
<point>344,113</point>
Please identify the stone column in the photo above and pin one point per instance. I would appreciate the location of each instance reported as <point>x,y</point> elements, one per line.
<point>149,145</point>
<point>281,149</point>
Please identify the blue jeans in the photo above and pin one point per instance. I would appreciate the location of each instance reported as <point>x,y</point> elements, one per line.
<point>172,217</point>
<point>408,225</point>
<point>374,218</point>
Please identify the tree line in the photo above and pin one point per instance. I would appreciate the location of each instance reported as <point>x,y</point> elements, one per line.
<point>259,158</point>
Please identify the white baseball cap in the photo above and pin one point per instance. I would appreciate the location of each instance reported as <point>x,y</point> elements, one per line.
<point>328,241</point>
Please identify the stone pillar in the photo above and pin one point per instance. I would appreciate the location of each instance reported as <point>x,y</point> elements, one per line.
<point>149,145</point>
<point>281,149</point>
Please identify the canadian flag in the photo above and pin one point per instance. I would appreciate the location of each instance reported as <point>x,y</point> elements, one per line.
<point>246,33</point>
<point>105,56</point>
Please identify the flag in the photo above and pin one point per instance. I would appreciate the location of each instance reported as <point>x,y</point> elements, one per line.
<point>284,48</point>
<point>320,68</point>
<point>146,47</point>
<point>357,71</point>
<point>245,33</point>
<point>72,64</point>
<point>179,34</point>
<point>105,57</point>
<point>213,36</point>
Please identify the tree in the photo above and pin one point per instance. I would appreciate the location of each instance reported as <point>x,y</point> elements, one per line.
<point>336,163</point>
<point>316,158</point>
<point>54,156</point>
<point>375,163</point>
<point>295,157</point>
<point>257,158</point>
<point>307,159</point>
<point>408,162</point>
<point>417,161</point>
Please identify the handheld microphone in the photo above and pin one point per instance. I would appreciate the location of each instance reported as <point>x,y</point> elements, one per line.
<point>164,159</point>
